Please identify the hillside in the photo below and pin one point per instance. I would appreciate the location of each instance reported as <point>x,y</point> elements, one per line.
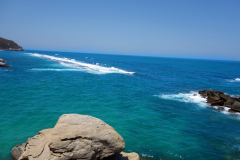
<point>9,45</point>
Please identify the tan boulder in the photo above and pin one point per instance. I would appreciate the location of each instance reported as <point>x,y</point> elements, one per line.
<point>74,137</point>
<point>124,156</point>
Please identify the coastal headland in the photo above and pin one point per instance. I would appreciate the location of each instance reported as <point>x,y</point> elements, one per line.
<point>8,45</point>
<point>75,136</point>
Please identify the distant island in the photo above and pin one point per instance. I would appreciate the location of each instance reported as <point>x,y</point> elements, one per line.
<point>9,45</point>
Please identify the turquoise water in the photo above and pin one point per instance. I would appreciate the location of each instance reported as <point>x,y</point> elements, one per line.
<point>148,100</point>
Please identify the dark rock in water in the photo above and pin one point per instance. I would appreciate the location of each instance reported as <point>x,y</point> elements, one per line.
<point>229,102</point>
<point>3,64</point>
<point>212,95</point>
<point>215,98</point>
<point>17,151</point>
<point>237,99</point>
<point>203,93</point>
<point>219,92</point>
<point>220,108</point>
<point>224,96</point>
<point>9,45</point>
<point>123,156</point>
<point>232,111</point>
<point>218,98</point>
<point>236,106</point>
<point>210,100</point>
<point>218,103</point>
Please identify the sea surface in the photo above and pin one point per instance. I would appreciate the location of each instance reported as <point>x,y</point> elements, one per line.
<point>148,100</point>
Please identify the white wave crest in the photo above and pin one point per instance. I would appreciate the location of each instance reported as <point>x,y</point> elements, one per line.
<point>53,69</point>
<point>192,97</point>
<point>82,66</point>
<point>234,80</point>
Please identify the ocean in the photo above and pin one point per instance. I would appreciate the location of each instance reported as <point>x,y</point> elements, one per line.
<point>148,100</point>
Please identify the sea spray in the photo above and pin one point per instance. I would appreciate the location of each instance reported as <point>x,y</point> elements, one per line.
<point>82,66</point>
<point>192,97</point>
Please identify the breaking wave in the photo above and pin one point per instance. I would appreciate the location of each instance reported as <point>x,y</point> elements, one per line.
<point>192,97</point>
<point>80,66</point>
<point>234,80</point>
<point>53,69</point>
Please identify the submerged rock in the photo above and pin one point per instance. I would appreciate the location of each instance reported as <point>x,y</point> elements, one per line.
<point>74,137</point>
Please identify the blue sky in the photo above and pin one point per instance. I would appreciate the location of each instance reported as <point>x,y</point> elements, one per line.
<point>174,28</point>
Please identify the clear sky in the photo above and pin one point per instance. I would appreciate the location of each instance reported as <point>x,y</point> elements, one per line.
<point>168,28</point>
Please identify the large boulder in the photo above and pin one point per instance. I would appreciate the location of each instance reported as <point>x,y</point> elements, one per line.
<point>237,99</point>
<point>225,96</point>
<point>74,137</point>
<point>217,103</point>
<point>229,102</point>
<point>236,106</point>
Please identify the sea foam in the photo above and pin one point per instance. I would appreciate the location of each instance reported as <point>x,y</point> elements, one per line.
<point>192,97</point>
<point>234,80</point>
<point>81,66</point>
<point>195,97</point>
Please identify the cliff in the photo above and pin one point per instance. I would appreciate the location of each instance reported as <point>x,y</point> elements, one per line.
<point>9,45</point>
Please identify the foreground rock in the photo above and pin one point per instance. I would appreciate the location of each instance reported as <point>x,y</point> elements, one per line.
<point>17,151</point>
<point>73,137</point>
<point>124,156</point>
<point>9,45</point>
<point>218,98</point>
<point>3,64</point>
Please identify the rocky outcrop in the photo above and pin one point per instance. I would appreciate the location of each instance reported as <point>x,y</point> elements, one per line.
<point>1,60</point>
<point>3,64</point>
<point>73,137</point>
<point>218,98</point>
<point>9,45</point>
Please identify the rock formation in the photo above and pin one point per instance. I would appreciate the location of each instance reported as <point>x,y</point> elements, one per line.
<point>1,60</point>
<point>73,137</point>
<point>3,64</point>
<point>218,98</point>
<point>9,45</point>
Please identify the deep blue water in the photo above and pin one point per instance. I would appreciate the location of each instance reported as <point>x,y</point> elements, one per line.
<point>153,109</point>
